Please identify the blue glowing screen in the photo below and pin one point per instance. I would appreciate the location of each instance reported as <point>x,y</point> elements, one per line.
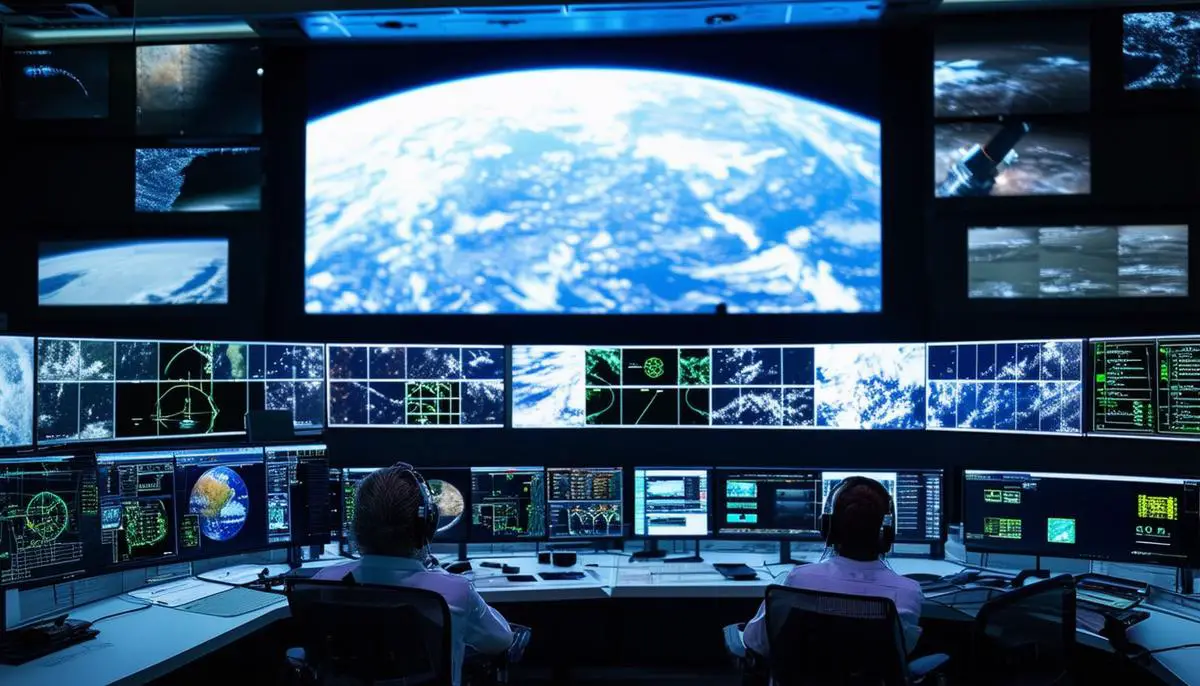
<point>182,271</point>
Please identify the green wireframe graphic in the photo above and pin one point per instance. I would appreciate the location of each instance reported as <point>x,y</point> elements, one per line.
<point>653,368</point>
<point>433,402</point>
<point>145,523</point>
<point>194,409</point>
<point>47,516</point>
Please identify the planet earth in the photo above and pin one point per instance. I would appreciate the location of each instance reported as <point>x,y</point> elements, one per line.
<point>450,504</point>
<point>182,272</point>
<point>592,190</point>
<point>221,500</point>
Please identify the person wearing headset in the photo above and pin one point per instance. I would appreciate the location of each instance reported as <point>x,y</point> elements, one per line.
<point>858,528</point>
<point>394,523</point>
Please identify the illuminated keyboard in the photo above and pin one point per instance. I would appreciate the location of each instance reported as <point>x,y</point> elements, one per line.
<point>231,603</point>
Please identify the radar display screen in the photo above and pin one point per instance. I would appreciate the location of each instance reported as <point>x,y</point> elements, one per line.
<point>584,502</point>
<point>220,501</point>
<point>100,390</point>
<point>1147,386</point>
<point>507,504</point>
<point>49,520</point>
<point>416,386</point>
<point>137,507</point>
<point>871,386</point>
<point>1006,386</point>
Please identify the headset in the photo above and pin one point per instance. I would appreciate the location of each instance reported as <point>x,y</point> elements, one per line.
<point>427,512</point>
<point>831,531</point>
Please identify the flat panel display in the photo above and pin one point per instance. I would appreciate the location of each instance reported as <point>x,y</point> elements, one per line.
<point>671,502</point>
<point>197,179</point>
<point>139,523</point>
<point>175,271</point>
<point>1146,386</point>
<point>1013,158</point>
<point>1077,262</point>
<point>1159,50</point>
<point>584,502</point>
<point>870,386</point>
<point>1092,516</point>
<point>1006,386</point>
<point>104,389</point>
<point>600,190</point>
<point>199,89</point>
<point>416,386</point>
<point>16,391</point>
<point>59,82</point>
<point>221,501</point>
<point>508,504</point>
<point>298,507</point>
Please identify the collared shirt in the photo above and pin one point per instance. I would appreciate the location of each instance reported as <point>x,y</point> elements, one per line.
<point>472,621</point>
<point>852,577</point>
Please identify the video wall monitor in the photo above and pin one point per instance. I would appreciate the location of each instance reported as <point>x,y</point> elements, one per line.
<point>993,69</point>
<point>869,386</point>
<point>198,179</point>
<point>1092,516</point>
<point>298,507</point>
<point>199,89</point>
<point>1014,157</point>
<point>173,271</point>
<point>670,503</point>
<point>584,502</point>
<point>1008,386</point>
<point>508,504</point>
<point>1146,386</point>
<point>1160,50</point>
<point>58,82</point>
<point>1077,262</point>
<point>139,522</point>
<point>221,501</point>
<point>104,389</point>
<point>16,391</point>
<point>49,521</point>
<point>787,503</point>
<point>416,386</point>
<point>590,193</point>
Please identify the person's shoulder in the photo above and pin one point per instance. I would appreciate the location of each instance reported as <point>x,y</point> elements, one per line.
<point>902,582</point>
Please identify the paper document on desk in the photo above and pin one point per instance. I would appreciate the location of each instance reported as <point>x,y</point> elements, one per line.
<point>240,575</point>
<point>178,593</point>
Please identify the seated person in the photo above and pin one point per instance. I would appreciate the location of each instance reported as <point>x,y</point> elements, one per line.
<point>393,530</point>
<point>854,529</point>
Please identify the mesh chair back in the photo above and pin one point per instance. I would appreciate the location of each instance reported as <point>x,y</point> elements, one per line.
<point>369,634</point>
<point>1027,636</point>
<point>834,639</point>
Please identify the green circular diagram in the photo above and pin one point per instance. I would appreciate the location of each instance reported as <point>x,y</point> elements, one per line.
<point>46,516</point>
<point>654,367</point>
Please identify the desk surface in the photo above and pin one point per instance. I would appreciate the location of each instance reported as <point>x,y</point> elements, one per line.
<point>150,643</point>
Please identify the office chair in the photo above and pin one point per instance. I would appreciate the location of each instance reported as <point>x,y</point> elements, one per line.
<point>834,639</point>
<point>1026,637</point>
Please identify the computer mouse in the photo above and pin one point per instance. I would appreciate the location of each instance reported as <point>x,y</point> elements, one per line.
<point>458,567</point>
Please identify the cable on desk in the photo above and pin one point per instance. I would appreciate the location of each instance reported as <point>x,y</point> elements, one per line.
<point>139,608</point>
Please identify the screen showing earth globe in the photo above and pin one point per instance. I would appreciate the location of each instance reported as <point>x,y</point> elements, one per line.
<point>593,188</point>
<point>221,495</point>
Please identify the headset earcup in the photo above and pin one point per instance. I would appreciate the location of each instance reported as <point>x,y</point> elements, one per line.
<point>827,529</point>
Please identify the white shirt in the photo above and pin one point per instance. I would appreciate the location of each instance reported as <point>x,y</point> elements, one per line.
<point>852,577</point>
<point>472,621</point>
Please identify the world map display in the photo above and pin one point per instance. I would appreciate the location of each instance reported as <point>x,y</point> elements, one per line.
<point>221,501</point>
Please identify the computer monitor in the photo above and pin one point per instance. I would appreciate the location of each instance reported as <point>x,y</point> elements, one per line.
<point>670,502</point>
<point>787,504</point>
<point>449,487</point>
<point>1145,520</point>
<point>48,520</point>
<point>584,502</point>
<point>220,501</point>
<point>508,504</point>
<point>138,516</point>
<point>335,504</point>
<point>298,511</point>
<point>1146,386</point>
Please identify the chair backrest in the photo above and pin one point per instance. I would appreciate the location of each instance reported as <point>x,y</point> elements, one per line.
<point>834,639</point>
<point>370,634</point>
<point>1028,634</point>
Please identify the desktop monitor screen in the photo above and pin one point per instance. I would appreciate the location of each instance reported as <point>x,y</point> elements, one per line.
<point>335,504</point>
<point>670,502</point>
<point>584,502</point>
<point>48,520</point>
<point>16,391</point>
<point>199,89</point>
<point>1146,386</point>
<point>1092,516</point>
<point>449,487</point>
<point>220,501</point>
<point>507,504</point>
<point>298,509</point>
<point>138,517</point>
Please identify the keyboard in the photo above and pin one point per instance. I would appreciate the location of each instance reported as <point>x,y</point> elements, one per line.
<point>231,603</point>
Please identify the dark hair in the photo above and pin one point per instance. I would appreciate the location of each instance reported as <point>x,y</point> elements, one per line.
<point>385,513</point>
<point>859,513</point>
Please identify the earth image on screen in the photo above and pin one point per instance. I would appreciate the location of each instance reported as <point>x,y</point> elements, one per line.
<point>221,500</point>
<point>592,190</point>
<point>450,504</point>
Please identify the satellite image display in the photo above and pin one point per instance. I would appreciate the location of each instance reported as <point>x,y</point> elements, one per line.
<point>607,190</point>
<point>16,391</point>
<point>1026,69</point>
<point>1160,50</point>
<point>1078,262</point>
<point>1025,386</point>
<point>199,89</point>
<point>95,390</point>
<point>1046,159</point>
<point>197,180</point>
<point>221,500</point>
<point>416,386</point>
<point>158,272</point>
<point>59,82</point>
<point>870,386</point>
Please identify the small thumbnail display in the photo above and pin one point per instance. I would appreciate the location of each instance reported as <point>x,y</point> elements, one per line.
<point>16,391</point>
<point>181,271</point>
<point>1014,158</point>
<point>1160,50</point>
<point>198,180</point>
<point>211,89</point>
<point>59,82</point>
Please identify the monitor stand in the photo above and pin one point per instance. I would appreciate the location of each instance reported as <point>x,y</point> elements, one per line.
<point>785,554</point>
<point>695,557</point>
<point>650,552</point>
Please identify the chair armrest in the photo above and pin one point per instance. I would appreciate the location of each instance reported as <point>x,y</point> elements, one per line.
<point>926,665</point>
